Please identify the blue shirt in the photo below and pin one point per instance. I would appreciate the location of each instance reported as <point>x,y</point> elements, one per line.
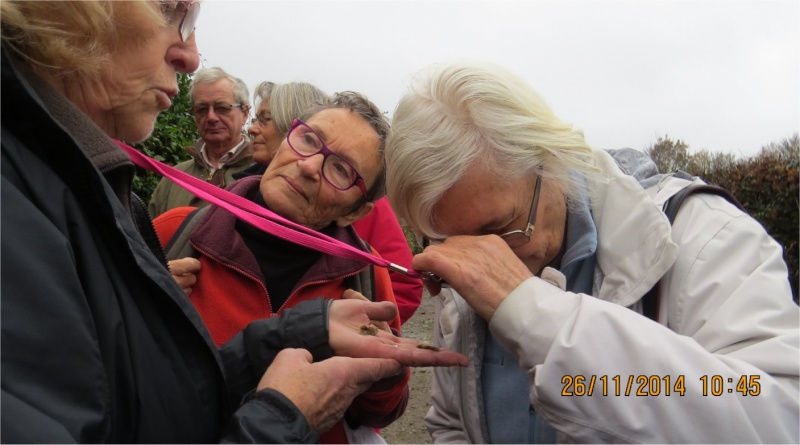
<point>509,416</point>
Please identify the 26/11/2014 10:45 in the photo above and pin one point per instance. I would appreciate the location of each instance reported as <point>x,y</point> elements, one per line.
<point>655,385</point>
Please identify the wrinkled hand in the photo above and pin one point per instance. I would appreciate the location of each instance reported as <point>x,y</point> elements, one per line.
<point>185,271</point>
<point>345,320</point>
<point>353,295</point>
<point>324,390</point>
<point>483,269</point>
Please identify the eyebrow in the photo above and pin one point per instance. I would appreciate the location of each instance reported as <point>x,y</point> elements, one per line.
<point>344,156</point>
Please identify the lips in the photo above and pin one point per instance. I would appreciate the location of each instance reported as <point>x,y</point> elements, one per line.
<point>163,100</point>
<point>296,187</point>
<point>164,97</point>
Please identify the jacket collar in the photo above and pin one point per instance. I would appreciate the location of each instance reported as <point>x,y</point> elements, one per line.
<point>243,153</point>
<point>216,235</point>
<point>113,163</point>
<point>635,247</point>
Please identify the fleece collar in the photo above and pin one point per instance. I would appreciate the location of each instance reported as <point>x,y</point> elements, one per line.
<point>215,235</point>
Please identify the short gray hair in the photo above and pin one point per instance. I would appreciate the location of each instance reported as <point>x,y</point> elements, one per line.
<point>460,115</point>
<point>287,101</point>
<point>210,75</point>
<point>359,104</point>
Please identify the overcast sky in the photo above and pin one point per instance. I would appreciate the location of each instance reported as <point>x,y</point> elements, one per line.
<point>721,75</point>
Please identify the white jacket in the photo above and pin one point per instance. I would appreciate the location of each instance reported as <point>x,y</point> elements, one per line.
<point>726,310</point>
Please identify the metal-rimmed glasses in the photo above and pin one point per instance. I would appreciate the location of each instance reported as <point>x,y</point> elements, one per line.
<point>337,172</point>
<point>261,119</point>
<point>514,238</point>
<point>185,11</point>
<point>220,108</point>
<point>517,238</point>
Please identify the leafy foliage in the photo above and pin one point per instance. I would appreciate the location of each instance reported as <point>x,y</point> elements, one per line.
<point>767,185</point>
<point>669,155</point>
<point>175,129</point>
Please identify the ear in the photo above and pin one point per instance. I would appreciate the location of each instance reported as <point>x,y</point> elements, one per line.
<point>355,215</point>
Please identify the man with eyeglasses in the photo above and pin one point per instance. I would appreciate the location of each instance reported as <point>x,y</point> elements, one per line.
<point>220,106</point>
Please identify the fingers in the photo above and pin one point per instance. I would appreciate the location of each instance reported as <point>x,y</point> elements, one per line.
<point>366,371</point>
<point>350,294</point>
<point>381,311</point>
<point>184,266</point>
<point>406,351</point>
<point>298,356</point>
<point>184,270</point>
<point>433,287</point>
<point>324,390</point>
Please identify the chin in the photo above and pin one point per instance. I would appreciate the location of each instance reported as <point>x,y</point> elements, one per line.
<point>135,135</point>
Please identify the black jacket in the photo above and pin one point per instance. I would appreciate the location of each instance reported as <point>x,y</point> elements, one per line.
<point>99,344</point>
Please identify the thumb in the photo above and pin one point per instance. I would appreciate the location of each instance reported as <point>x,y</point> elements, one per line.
<point>184,265</point>
<point>295,355</point>
<point>381,311</point>
<point>370,370</point>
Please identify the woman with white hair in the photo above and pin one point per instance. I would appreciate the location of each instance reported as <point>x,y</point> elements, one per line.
<point>548,247</point>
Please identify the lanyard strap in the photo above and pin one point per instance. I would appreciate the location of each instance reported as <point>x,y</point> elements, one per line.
<point>260,217</point>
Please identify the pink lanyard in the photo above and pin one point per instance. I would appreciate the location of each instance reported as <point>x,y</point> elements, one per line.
<point>260,217</point>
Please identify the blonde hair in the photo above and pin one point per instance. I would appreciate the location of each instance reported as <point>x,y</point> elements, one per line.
<point>288,101</point>
<point>64,38</point>
<point>458,116</point>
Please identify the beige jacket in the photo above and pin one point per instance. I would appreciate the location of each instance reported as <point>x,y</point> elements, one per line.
<point>169,195</point>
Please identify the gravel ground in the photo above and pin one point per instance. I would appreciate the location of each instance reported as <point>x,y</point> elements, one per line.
<point>411,427</point>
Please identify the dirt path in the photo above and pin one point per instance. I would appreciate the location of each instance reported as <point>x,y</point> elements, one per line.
<point>411,428</point>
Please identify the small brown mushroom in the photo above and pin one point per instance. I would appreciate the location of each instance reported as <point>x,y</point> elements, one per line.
<point>368,330</point>
<point>426,345</point>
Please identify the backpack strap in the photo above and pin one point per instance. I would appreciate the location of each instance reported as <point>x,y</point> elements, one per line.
<point>179,246</point>
<point>652,298</point>
<point>364,281</point>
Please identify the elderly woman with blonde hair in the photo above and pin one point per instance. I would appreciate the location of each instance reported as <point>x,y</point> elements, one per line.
<point>548,248</point>
<point>99,342</point>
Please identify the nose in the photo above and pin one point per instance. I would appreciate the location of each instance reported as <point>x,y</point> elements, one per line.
<point>212,114</point>
<point>183,56</point>
<point>254,129</point>
<point>312,166</point>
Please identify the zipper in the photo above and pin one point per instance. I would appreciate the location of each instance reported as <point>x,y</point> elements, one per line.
<point>229,266</point>
<point>310,283</point>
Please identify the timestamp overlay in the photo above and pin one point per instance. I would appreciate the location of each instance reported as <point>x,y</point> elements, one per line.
<point>607,385</point>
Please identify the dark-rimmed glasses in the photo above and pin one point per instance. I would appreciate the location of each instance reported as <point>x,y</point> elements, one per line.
<point>337,172</point>
<point>514,238</point>
<point>220,108</point>
<point>185,11</point>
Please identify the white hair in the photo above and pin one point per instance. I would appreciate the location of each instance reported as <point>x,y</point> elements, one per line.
<point>458,116</point>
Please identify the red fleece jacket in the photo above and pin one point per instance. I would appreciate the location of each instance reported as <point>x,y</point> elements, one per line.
<point>230,293</point>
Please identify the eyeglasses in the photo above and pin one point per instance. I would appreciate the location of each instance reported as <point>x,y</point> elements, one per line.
<point>222,108</point>
<point>261,119</point>
<point>514,238</point>
<point>304,141</point>
<point>517,238</point>
<point>185,11</point>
